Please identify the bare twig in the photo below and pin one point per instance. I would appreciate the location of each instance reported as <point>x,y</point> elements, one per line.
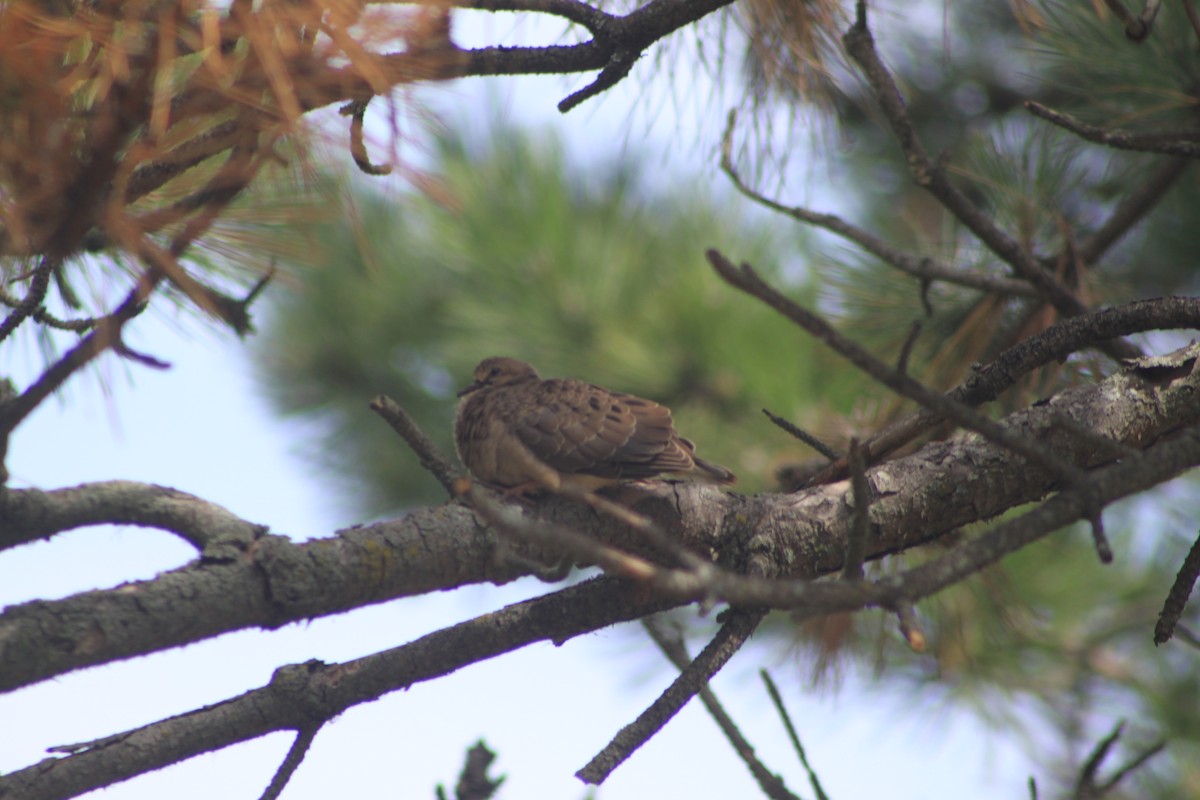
<point>906,349</point>
<point>921,267</point>
<point>1115,137</point>
<point>1177,597</point>
<point>619,65</point>
<point>356,110</point>
<point>1136,763</point>
<point>733,634</point>
<point>422,446</point>
<point>749,281</point>
<point>803,435</point>
<point>35,295</point>
<point>670,641</point>
<point>910,629</point>
<point>1053,344</point>
<point>1137,26</point>
<point>106,335</point>
<point>617,44</point>
<point>291,762</point>
<point>1132,208</point>
<point>932,177</point>
<point>1086,787</point>
<point>777,701</point>
<point>856,541</point>
<point>1192,16</point>
<point>594,19</point>
<point>474,783</point>
<point>509,520</point>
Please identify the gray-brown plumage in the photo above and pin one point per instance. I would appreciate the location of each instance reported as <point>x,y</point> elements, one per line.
<point>518,431</point>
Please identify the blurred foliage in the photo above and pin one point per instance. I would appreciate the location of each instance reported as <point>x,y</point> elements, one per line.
<point>509,252</point>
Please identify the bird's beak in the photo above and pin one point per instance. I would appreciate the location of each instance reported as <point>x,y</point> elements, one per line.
<point>473,387</point>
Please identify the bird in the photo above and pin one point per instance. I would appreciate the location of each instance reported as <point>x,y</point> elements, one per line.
<point>515,431</point>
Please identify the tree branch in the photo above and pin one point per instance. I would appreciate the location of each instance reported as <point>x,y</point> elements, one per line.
<point>918,266</point>
<point>672,645</point>
<point>802,535</point>
<point>426,451</point>
<point>733,634</point>
<point>27,515</point>
<point>301,694</point>
<point>1156,142</point>
<point>1055,343</point>
<point>932,177</point>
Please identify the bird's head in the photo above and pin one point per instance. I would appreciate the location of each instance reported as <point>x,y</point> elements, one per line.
<point>499,371</point>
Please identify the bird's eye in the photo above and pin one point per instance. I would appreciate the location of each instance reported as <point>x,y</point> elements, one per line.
<point>494,373</point>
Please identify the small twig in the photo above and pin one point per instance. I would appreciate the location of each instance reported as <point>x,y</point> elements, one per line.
<point>672,645</point>
<point>1053,344</point>
<point>426,451</point>
<point>1177,597</point>
<point>918,266</point>
<point>777,701</point>
<point>729,639</point>
<point>1137,27</point>
<point>590,17</point>
<point>906,616</point>
<point>1147,754</point>
<point>1099,537</point>
<point>106,335</point>
<point>619,65</point>
<point>856,539</point>
<point>293,759</point>
<point>1134,206</point>
<point>473,782</point>
<point>510,520</point>
<point>1193,18</point>
<point>906,349</point>
<point>932,177</point>
<point>804,436</point>
<point>1085,787</point>
<point>1115,137</point>
<point>356,110</point>
<point>1184,634</point>
<point>1033,792</point>
<point>35,295</point>
<point>747,280</point>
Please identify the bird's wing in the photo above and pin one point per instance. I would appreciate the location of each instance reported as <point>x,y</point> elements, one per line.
<point>579,428</point>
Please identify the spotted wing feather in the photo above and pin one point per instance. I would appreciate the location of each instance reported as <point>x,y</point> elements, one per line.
<point>579,428</point>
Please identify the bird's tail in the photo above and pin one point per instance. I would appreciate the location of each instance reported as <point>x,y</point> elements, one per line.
<point>715,471</point>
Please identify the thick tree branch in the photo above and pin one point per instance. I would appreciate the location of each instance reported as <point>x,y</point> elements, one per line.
<point>917,499</point>
<point>300,695</point>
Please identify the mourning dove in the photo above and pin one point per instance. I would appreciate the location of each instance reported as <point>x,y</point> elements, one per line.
<point>517,431</point>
